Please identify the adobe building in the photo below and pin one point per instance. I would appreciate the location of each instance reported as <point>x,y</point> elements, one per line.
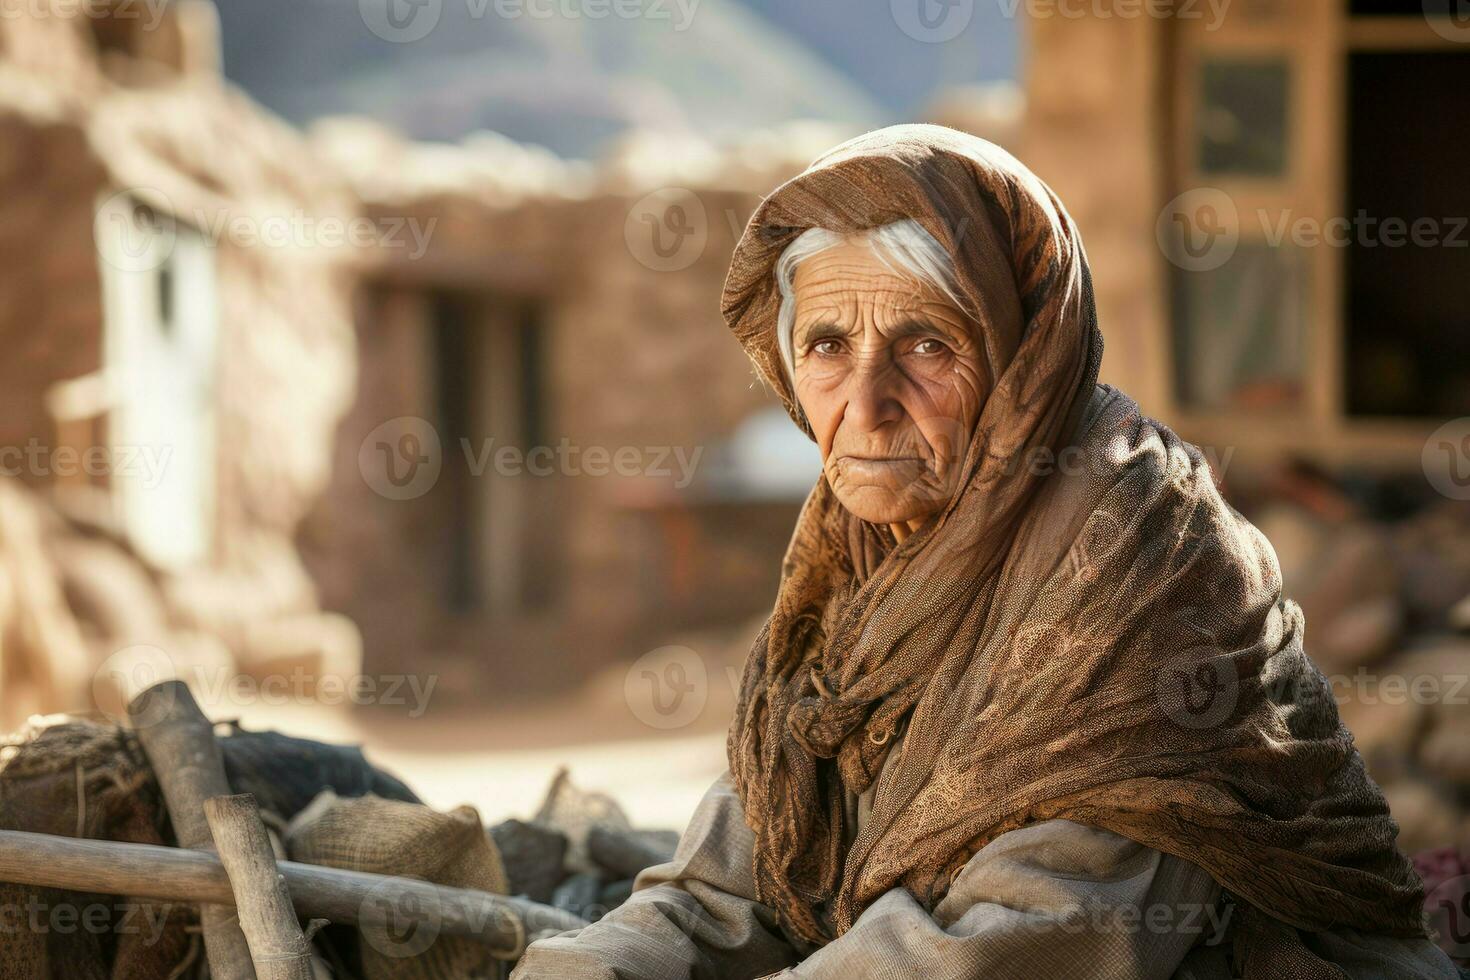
<point>607,470</point>
<point>1277,233</point>
<point>174,374</point>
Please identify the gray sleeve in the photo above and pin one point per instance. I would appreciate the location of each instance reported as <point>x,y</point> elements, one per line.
<point>1052,899</point>
<point>694,918</point>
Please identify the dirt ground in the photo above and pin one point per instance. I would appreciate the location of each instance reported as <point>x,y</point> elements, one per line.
<point>502,758</point>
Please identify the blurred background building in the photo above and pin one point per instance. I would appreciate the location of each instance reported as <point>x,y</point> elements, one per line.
<point>382,339</point>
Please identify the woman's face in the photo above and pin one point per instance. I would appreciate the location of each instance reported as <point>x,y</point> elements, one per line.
<point>892,379</point>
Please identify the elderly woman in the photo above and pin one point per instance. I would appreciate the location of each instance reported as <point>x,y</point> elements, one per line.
<point>1030,703</point>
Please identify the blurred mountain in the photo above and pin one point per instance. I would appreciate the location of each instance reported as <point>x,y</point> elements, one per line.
<point>697,67</point>
<point>705,67</point>
<point>903,74</point>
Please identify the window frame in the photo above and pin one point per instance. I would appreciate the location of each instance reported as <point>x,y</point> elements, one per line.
<point>1316,37</point>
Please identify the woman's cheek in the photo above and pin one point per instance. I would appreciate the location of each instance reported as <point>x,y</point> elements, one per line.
<point>949,419</point>
<point>817,405</point>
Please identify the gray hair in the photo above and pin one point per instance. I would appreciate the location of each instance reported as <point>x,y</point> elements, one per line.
<point>904,246</point>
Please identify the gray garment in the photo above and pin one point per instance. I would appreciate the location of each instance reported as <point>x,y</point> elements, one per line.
<point>1052,899</point>
<point>1038,901</point>
<point>1362,956</point>
<point>695,917</point>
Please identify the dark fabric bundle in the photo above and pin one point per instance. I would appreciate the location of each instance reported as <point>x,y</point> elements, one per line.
<point>286,773</point>
<point>89,780</point>
<point>1086,631</point>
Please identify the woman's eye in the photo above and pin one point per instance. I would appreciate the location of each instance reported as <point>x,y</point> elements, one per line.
<point>827,348</point>
<point>929,346</point>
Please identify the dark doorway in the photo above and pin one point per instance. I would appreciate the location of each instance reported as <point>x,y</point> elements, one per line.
<point>1402,8</point>
<point>457,354</point>
<point>1408,262</point>
<point>489,378</point>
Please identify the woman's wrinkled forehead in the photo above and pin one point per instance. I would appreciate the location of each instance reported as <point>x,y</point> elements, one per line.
<point>849,281</point>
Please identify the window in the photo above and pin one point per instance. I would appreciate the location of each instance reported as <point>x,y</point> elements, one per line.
<point>1238,344</point>
<point>1242,117</point>
<point>160,333</point>
<point>1239,314</point>
<point>1324,135</point>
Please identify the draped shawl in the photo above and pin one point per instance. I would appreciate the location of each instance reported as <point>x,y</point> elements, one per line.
<point>1086,631</point>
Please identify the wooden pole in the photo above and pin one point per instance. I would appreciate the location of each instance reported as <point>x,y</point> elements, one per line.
<point>175,874</point>
<point>268,920</point>
<point>179,742</point>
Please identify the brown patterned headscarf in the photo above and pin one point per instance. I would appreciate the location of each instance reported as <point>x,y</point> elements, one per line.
<point>1087,630</point>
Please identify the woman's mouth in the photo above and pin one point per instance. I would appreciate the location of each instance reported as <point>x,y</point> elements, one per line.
<point>878,467</point>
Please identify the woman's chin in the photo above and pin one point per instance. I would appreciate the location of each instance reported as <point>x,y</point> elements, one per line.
<point>881,505</point>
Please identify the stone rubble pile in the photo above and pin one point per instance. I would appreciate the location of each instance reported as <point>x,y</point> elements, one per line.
<point>84,619</point>
<point>1387,607</point>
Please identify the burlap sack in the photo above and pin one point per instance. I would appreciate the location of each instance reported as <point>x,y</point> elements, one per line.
<point>87,780</point>
<point>390,837</point>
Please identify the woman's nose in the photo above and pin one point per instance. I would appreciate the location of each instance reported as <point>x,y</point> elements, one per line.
<point>873,392</point>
